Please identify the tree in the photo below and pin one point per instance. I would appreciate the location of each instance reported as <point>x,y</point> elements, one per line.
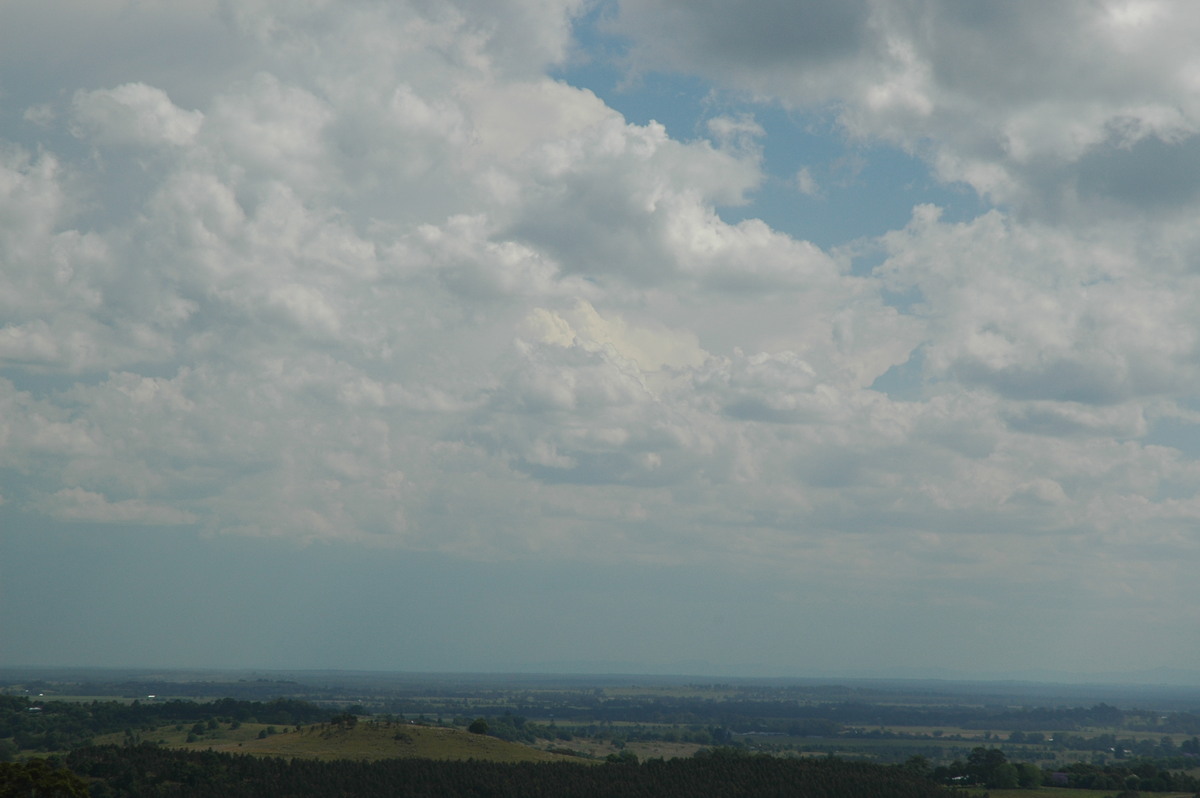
<point>1029,775</point>
<point>478,726</point>
<point>983,763</point>
<point>626,757</point>
<point>1004,777</point>
<point>39,777</point>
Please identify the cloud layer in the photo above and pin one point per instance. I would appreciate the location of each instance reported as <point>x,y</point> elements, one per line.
<point>364,272</point>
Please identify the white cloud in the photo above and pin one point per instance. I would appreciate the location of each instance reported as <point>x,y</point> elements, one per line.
<point>134,114</point>
<point>73,504</point>
<point>651,349</point>
<point>807,184</point>
<point>1035,312</point>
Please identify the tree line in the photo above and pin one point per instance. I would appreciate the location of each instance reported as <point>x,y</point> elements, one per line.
<point>151,772</point>
<point>990,768</point>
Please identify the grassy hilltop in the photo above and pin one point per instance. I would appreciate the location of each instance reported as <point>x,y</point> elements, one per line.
<point>364,741</point>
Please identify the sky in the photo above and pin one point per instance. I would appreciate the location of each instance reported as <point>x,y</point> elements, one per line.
<point>828,338</point>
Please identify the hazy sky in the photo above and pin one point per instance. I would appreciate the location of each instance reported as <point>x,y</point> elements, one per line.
<point>779,337</point>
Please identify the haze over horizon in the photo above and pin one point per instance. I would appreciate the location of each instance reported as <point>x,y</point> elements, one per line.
<point>844,336</point>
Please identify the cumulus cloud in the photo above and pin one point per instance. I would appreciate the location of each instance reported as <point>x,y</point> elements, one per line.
<point>135,114</point>
<point>1035,312</point>
<point>1045,108</point>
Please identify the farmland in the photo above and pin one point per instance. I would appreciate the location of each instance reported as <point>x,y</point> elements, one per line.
<point>991,735</point>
